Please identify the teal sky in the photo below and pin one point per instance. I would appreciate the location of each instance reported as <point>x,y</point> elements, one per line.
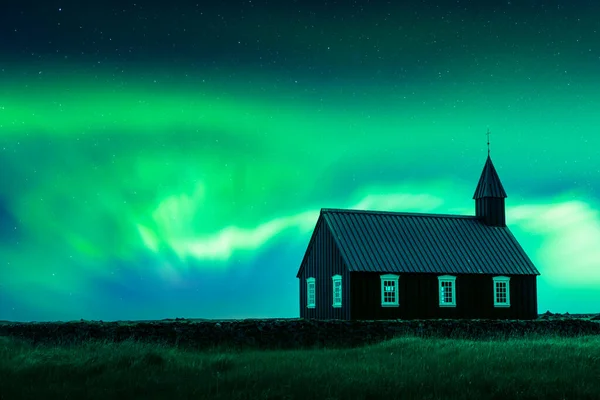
<point>186,182</point>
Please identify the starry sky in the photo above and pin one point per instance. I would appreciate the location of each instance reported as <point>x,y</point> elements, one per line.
<point>162,161</point>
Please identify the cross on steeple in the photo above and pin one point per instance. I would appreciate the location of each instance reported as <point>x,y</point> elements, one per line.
<point>488,140</point>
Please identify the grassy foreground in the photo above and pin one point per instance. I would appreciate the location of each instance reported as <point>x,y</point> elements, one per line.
<point>403,368</point>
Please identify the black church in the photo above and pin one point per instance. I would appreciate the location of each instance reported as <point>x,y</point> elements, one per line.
<point>397,265</point>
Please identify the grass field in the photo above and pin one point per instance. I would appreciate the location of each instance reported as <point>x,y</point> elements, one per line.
<point>403,368</point>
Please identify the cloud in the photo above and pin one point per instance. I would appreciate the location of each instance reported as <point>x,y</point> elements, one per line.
<point>176,231</point>
<point>222,244</point>
<point>569,252</point>
<point>563,237</point>
<point>400,202</point>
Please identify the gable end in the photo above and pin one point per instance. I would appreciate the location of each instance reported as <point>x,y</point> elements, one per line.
<point>310,244</point>
<point>322,223</point>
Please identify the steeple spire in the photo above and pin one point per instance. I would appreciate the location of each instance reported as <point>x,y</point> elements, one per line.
<point>489,184</point>
<point>489,195</point>
<point>488,142</point>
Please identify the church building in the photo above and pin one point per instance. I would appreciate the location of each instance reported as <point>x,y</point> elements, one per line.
<point>374,265</point>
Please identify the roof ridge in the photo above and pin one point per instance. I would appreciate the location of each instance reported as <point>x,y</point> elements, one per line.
<point>399,213</point>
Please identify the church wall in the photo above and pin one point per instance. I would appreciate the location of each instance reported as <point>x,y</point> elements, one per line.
<point>324,261</point>
<point>419,299</point>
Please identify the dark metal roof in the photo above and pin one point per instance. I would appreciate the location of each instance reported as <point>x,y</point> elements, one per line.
<point>425,243</point>
<point>489,183</point>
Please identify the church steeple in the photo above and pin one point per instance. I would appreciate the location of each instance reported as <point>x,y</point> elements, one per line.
<point>489,196</point>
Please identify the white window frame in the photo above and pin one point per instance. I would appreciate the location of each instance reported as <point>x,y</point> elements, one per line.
<point>506,280</point>
<point>387,278</point>
<point>310,282</point>
<point>444,279</point>
<point>337,303</point>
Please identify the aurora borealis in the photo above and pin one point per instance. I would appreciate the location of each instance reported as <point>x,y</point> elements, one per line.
<point>162,162</point>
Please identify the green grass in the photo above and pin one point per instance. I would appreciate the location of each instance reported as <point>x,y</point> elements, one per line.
<point>403,368</point>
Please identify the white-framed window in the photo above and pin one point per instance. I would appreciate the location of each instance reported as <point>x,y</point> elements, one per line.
<point>310,293</point>
<point>447,290</point>
<point>389,290</point>
<point>337,290</point>
<point>501,291</point>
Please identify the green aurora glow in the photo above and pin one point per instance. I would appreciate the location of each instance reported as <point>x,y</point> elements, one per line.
<point>144,191</point>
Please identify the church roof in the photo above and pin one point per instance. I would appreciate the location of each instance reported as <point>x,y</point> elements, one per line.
<point>399,242</point>
<point>489,183</point>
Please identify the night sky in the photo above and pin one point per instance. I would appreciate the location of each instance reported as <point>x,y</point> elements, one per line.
<point>161,161</point>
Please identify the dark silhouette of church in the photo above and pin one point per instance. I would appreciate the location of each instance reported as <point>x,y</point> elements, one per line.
<point>398,265</point>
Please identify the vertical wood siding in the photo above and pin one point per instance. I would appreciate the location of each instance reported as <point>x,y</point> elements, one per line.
<point>322,262</point>
<point>491,210</point>
<point>419,298</point>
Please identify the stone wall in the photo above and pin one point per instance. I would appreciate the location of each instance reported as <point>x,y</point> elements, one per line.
<point>286,333</point>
